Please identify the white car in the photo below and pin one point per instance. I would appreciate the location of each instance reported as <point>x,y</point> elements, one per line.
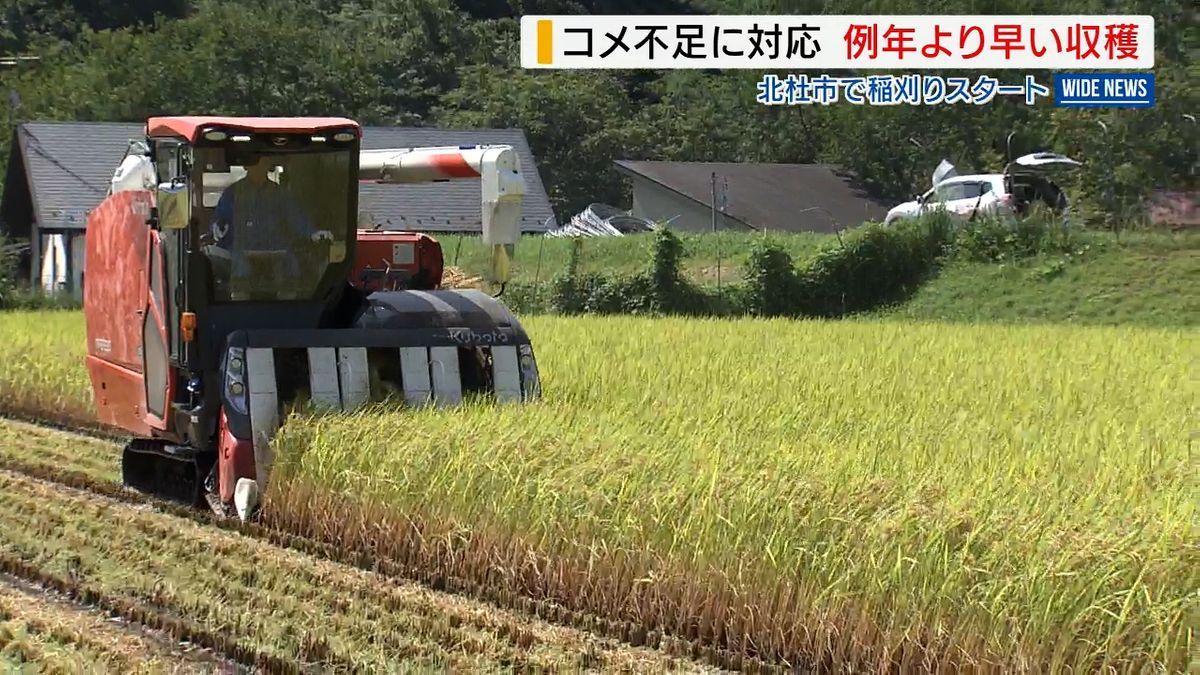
<point>1008,194</point>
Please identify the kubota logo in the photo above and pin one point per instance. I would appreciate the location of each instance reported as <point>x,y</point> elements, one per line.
<point>465,336</point>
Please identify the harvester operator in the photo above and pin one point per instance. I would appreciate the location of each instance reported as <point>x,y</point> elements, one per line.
<point>257,214</point>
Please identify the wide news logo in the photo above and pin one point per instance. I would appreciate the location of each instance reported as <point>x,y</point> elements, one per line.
<point>856,44</point>
<point>1104,90</point>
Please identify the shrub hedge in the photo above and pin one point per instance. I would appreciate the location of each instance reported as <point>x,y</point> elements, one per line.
<point>869,267</point>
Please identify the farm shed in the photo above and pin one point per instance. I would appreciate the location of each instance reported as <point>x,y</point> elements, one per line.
<point>60,171</point>
<point>776,197</point>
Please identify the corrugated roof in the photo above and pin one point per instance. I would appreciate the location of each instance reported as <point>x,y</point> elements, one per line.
<point>70,165</point>
<point>790,197</point>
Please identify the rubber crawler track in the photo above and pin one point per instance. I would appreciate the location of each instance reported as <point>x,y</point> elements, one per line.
<point>178,628</point>
<point>546,611</point>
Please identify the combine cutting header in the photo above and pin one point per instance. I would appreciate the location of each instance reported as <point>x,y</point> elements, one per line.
<point>227,278</point>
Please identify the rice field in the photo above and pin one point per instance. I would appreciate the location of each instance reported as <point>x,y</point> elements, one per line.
<point>39,633</point>
<point>265,604</point>
<point>854,495</point>
<point>42,371</point>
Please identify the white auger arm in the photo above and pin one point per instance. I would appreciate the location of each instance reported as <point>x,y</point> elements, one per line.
<point>497,166</point>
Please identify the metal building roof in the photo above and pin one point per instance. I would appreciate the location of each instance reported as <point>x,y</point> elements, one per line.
<point>68,166</point>
<point>787,197</point>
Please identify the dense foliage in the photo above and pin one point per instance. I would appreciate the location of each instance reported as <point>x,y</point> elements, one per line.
<point>455,63</point>
<point>863,269</point>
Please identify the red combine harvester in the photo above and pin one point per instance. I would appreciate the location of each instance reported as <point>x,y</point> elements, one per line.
<point>227,277</point>
<point>396,261</point>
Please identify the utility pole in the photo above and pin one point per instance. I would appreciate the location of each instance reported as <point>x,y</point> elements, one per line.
<point>14,102</point>
<point>14,105</point>
<point>713,209</point>
<point>1191,118</point>
<point>724,205</point>
<point>713,203</point>
<point>1110,218</point>
<point>14,99</point>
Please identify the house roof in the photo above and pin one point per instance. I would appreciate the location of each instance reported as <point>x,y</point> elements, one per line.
<point>793,197</point>
<point>68,166</point>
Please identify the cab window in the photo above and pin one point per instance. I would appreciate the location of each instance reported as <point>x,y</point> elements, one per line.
<point>965,190</point>
<point>168,160</point>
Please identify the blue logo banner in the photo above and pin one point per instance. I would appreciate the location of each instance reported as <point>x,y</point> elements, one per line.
<point>1104,90</point>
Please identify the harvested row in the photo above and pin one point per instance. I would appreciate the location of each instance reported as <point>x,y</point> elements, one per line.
<point>148,612</point>
<point>57,635</point>
<point>37,445</point>
<point>35,451</point>
<point>287,607</point>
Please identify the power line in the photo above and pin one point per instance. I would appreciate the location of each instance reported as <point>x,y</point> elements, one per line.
<point>17,60</point>
<point>35,147</point>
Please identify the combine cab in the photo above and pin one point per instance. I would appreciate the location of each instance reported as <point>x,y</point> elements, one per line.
<point>227,278</point>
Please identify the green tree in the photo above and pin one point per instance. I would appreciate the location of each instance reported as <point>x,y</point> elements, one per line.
<point>577,124</point>
<point>455,63</point>
<point>23,22</point>
<point>274,57</point>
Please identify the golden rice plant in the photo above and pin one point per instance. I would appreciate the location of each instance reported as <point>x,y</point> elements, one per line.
<point>42,370</point>
<point>866,493</point>
<point>861,494</point>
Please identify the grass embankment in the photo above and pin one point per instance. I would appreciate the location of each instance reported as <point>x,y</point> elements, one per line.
<point>1020,498</point>
<point>1139,278</point>
<point>263,599</point>
<point>1142,279</point>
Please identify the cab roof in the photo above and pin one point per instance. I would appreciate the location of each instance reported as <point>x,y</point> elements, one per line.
<point>189,126</point>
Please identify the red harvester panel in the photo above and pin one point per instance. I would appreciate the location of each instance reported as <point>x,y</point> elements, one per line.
<point>397,260</point>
